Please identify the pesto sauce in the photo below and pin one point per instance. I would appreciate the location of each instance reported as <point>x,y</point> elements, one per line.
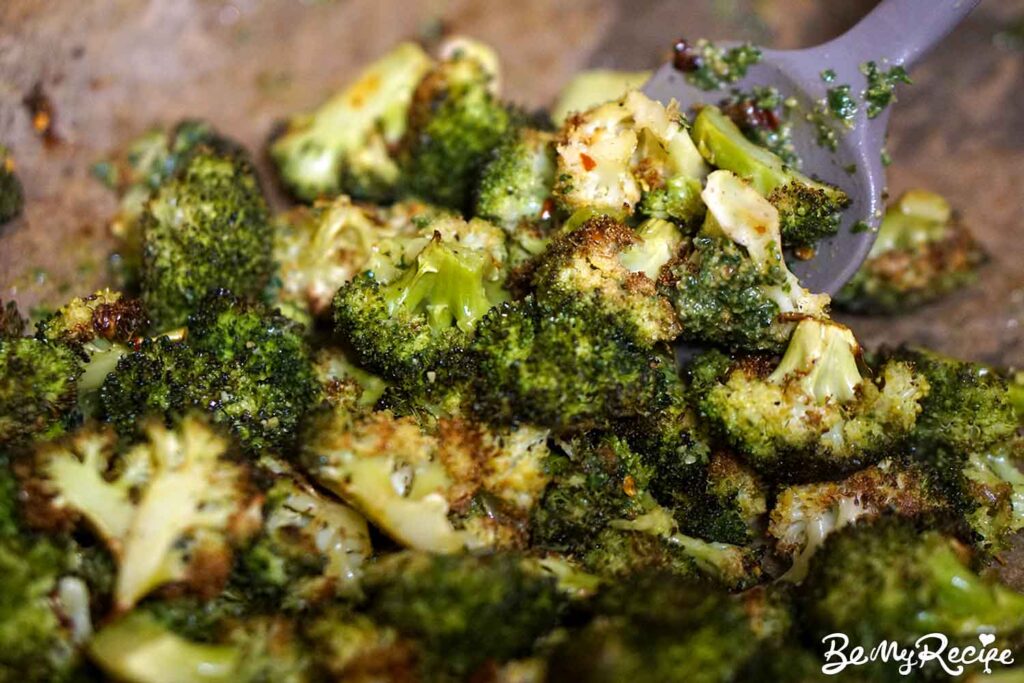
<point>764,117</point>
<point>881,86</point>
<point>712,68</point>
<point>841,104</point>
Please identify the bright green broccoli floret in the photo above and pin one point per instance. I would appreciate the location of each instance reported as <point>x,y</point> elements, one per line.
<point>455,120</point>
<point>921,254</point>
<point>38,388</point>
<point>659,628</point>
<point>250,368</point>
<point>205,227</point>
<point>889,581</point>
<point>585,269</point>
<point>808,210</point>
<point>515,188</point>
<point>633,153</point>
<point>343,146</point>
<point>563,369</point>
<point>465,610</point>
<point>732,287</point>
<point>814,414</point>
<point>12,195</point>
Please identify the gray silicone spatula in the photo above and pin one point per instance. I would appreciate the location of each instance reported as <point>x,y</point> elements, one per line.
<point>895,33</point>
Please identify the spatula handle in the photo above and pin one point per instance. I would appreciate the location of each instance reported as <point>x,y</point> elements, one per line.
<point>898,31</point>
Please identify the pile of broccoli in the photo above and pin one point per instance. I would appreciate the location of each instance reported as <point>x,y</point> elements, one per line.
<point>428,423</point>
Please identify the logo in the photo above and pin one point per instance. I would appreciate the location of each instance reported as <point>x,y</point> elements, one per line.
<point>933,647</point>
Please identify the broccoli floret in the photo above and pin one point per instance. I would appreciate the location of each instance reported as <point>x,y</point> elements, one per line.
<point>205,227</point>
<point>344,382</point>
<point>414,328</point>
<point>588,89</point>
<point>248,367</point>
<point>441,489</point>
<point>454,121</point>
<point>804,515</point>
<point>354,647</point>
<point>988,489</point>
<point>659,628</point>
<point>38,388</point>
<point>100,328</point>
<point>921,253</point>
<point>732,287</point>
<point>321,248</point>
<point>584,269</point>
<point>619,155</point>
<point>562,369</point>
<point>808,210</point>
<point>515,190</point>
<point>344,145</point>
<point>311,547</point>
<point>175,507</point>
<point>814,414</point>
<point>887,580</point>
<point>142,647</point>
<point>12,195</point>
<point>465,610</point>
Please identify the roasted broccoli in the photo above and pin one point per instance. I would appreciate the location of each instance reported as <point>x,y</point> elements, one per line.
<point>250,368</point>
<point>563,369</point>
<point>100,328</point>
<point>586,270</point>
<point>38,388</point>
<point>921,253</point>
<point>814,414</point>
<point>808,210</point>
<point>12,195</point>
<point>205,227</point>
<point>515,189</point>
<point>628,155</point>
<point>414,327</point>
<point>170,509</point>
<point>887,580</point>
<point>455,119</point>
<point>353,647</point>
<point>311,548</point>
<point>732,286</point>
<point>143,647</point>
<point>345,145</point>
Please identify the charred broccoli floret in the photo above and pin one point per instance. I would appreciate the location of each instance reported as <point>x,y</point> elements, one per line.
<point>732,287</point>
<point>12,194</point>
<point>205,227</point>
<point>142,647</point>
<point>354,647</point>
<point>454,121</point>
<point>311,548</point>
<point>660,628</point>
<point>515,189</point>
<point>808,210</point>
<point>920,254</point>
<point>442,489</point>
<point>587,89</point>
<point>465,610</point>
<point>414,327</point>
<point>344,145</point>
<point>38,388</point>
<point>563,369</point>
<point>171,509</point>
<point>587,269</point>
<point>100,328</point>
<point>248,367</point>
<point>814,414</point>
<point>889,581</point>
<point>804,515</point>
<point>630,154</point>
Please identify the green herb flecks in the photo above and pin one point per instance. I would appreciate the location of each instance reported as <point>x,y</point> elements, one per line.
<point>881,87</point>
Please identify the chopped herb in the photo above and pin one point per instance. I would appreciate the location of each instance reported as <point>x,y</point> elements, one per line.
<point>841,104</point>
<point>881,90</point>
<point>860,226</point>
<point>851,169</point>
<point>819,118</point>
<point>828,75</point>
<point>712,68</point>
<point>886,157</point>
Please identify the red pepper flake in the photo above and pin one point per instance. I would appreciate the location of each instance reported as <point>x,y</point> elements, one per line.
<point>588,163</point>
<point>547,209</point>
